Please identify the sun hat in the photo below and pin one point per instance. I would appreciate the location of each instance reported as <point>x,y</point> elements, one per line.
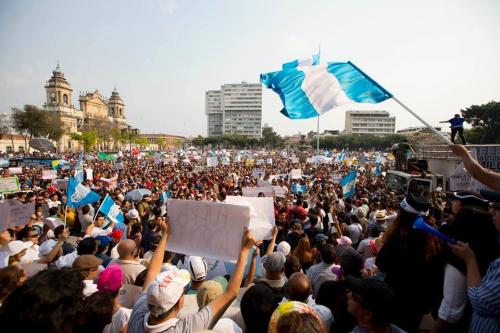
<point>197,267</point>
<point>166,290</point>
<point>110,279</point>
<point>380,215</point>
<point>284,248</point>
<point>209,290</point>
<point>17,246</point>
<point>133,214</point>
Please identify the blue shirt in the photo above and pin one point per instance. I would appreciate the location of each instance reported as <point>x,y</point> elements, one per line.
<point>456,122</point>
<point>485,301</point>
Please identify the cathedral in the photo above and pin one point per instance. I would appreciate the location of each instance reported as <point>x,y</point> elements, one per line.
<point>94,109</point>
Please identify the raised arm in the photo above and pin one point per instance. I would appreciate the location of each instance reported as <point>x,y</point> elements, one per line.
<point>157,259</point>
<point>272,243</point>
<point>253,268</point>
<point>55,250</point>
<point>221,303</point>
<point>485,176</point>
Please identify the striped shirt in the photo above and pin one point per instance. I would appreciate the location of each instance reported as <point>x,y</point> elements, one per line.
<point>320,273</point>
<point>485,301</point>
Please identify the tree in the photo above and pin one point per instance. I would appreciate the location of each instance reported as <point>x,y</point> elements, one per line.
<point>161,143</point>
<point>87,138</point>
<point>485,121</point>
<point>54,128</point>
<point>141,142</point>
<point>350,141</point>
<point>198,141</point>
<point>30,122</point>
<point>270,139</point>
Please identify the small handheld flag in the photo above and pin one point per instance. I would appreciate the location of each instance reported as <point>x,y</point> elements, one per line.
<point>79,195</point>
<point>112,210</point>
<point>348,184</point>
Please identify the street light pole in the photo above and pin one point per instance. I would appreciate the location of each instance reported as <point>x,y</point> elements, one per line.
<point>129,130</point>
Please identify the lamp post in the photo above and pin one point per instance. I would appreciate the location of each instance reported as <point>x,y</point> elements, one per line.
<point>129,131</point>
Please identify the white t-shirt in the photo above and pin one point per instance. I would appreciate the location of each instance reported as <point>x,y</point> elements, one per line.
<point>89,288</point>
<point>118,321</point>
<point>454,295</point>
<point>31,256</point>
<point>101,232</point>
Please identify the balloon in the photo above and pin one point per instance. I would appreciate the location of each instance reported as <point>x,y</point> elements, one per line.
<point>420,224</point>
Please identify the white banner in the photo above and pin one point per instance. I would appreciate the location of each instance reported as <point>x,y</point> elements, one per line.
<point>296,174</point>
<point>14,213</point>
<point>49,174</point>
<point>280,191</point>
<point>254,191</point>
<point>258,173</point>
<point>212,161</point>
<point>16,171</point>
<point>261,214</point>
<point>207,229</point>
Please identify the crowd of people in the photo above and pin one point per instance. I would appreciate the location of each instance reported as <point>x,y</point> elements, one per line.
<point>336,262</point>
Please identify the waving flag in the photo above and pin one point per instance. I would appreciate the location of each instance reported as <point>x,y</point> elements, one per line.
<point>304,62</point>
<point>79,168</point>
<point>299,188</point>
<point>348,184</point>
<point>377,170</point>
<point>164,195</point>
<point>111,210</point>
<point>79,195</point>
<point>310,91</point>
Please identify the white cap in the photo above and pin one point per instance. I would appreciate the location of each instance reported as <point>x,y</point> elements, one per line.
<point>17,246</point>
<point>166,290</point>
<point>197,267</point>
<point>133,214</point>
<point>284,248</point>
<point>46,247</point>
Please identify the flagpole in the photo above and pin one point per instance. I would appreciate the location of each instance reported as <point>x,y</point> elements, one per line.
<point>317,138</point>
<point>401,103</point>
<point>97,212</point>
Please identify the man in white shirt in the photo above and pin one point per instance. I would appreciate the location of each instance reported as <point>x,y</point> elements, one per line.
<point>98,228</point>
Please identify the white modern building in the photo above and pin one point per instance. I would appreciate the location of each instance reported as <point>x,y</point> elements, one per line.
<point>236,110</point>
<point>369,122</point>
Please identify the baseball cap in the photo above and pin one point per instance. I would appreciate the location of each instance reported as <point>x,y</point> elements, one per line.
<point>133,214</point>
<point>284,248</point>
<point>166,290</point>
<point>17,246</point>
<point>103,240</point>
<point>197,267</point>
<point>110,279</point>
<point>46,247</point>
<point>320,237</point>
<point>209,290</point>
<point>87,261</point>
<point>275,262</point>
<point>374,293</point>
<point>118,234</point>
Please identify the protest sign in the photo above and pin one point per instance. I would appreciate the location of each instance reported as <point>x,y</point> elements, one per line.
<point>296,174</point>
<point>212,161</point>
<point>280,191</point>
<point>198,169</point>
<point>254,191</point>
<point>259,162</point>
<point>269,161</point>
<point>277,177</point>
<point>9,184</point>
<point>294,160</point>
<point>249,162</point>
<point>15,213</point>
<point>15,171</point>
<point>258,173</point>
<point>261,214</point>
<point>226,161</point>
<point>49,174</point>
<point>207,229</point>
<point>89,173</point>
<point>60,184</point>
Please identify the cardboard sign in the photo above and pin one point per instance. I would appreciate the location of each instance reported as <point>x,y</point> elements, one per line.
<point>254,191</point>
<point>296,174</point>
<point>89,173</point>
<point>9,184</point>
<point>249,162</point>
<point>15,171</point>
<point>207,229</point>
<point>212,161</point>
<point>49,174</point>
<point>261,214</point>
<point>14,213</point>
<point>280,191</point>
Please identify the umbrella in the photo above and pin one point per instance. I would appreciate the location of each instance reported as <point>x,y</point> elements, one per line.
<point>136,195</point>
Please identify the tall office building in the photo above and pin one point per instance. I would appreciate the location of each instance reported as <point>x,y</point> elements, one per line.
<point>369,122</point>
<point>235,109</point>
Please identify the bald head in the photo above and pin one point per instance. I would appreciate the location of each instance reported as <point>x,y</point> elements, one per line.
<point>298,287</point>
<point>127,249</point>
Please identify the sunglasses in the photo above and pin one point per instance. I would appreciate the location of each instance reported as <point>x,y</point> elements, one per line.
<point>33,236</point>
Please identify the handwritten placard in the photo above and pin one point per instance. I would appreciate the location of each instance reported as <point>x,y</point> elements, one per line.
<point>296,174</point>
<point>9,184</point>
<point>207,229</point>
<point>49,174</point>
<point>15,213</point>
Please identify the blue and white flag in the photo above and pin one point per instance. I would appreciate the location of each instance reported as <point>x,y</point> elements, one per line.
<point>79,168</point>
<point>340,157</point>
<point>348,184</point>
<point>112,210</point>
<point>299,188</point>
<point>378,170</point>
<point>310,91</point>
<point>164,195</point>
<point>303,62</point>
<point>79,195</point>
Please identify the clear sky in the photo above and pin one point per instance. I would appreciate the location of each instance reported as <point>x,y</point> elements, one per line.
<point>436,56</point>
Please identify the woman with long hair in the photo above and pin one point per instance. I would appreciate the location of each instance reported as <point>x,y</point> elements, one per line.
<point>305,253</point>
<point>410,259</point>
